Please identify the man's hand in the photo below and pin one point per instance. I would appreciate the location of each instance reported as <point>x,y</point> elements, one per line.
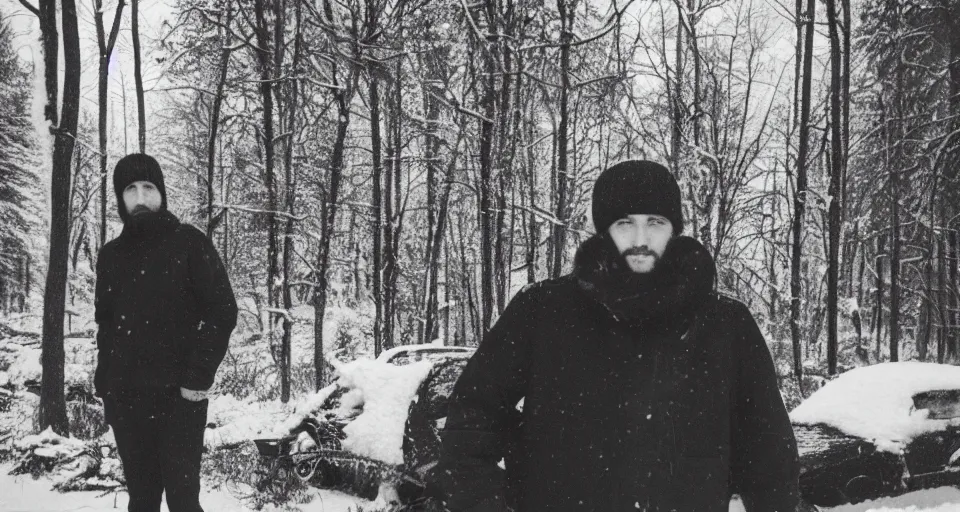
<point>194,395</point>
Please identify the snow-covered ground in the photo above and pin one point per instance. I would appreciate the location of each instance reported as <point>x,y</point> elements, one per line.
<point>873,402</point>
<point>24,494</point>
<point>943,499</point>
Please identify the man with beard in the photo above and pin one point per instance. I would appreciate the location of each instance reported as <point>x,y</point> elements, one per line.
<point>165,311</point>
<point>642,387</point>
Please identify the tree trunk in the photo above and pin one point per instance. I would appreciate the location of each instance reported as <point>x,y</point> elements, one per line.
<point>138,75</point>
<point>952,296</point>
<point>697,77</point>
<point>264,59</point>
<point>390,216</point>
<point>378,228</point>
<point>895,266</point>
<point>290,181</point>
<point>894,164</point>
<point>435,244</point>
<point>924,327</point>
<point>567,13</point>
<point>506,145</point>
<point>225,52</point>
<point>105,46</point>
<point>860,283</point>
<point>344,95</point>
<point>676,96</point>
<point>800,193</point>
<point>534,232</point>
<point>396,218</point>
<point>941,298</point>
<point>845,98</point>
<point>487,221</point>
<point>431,150</point>
<point>52,410</point>
<point>834,191</point>
<point>878,307</point>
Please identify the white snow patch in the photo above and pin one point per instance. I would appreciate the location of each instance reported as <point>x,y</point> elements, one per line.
<point>50,444</point>
<point>26,366</point>
<point>240,420</point>
<point>876,402</point>
<point>941,499</point>
<point>23,493</point>
<point>387,392</point>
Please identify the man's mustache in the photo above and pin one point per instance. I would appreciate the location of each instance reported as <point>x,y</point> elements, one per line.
<point>140,209</point>
<point>639,251</point>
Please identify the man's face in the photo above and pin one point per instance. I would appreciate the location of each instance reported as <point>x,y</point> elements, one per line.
<point>641,239</point>
<point>141,197</point>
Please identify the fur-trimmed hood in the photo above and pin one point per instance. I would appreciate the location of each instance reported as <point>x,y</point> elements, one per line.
<point>681,280</point>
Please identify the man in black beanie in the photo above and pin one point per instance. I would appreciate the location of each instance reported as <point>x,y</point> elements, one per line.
<point>165,311</point>
<point>642,388</point>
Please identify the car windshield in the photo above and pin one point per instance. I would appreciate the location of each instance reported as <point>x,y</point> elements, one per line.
<point>432,355</point>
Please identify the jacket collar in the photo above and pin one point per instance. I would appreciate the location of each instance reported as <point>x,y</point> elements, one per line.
<point>149,225</point>
<point>681,281</point>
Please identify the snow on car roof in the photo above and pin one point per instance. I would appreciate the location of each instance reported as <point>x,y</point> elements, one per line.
<point>876,402</point>
<point>428,347</point>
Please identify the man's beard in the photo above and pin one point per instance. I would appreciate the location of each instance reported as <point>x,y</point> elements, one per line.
<point>640,251</point>
<point>140,209</point>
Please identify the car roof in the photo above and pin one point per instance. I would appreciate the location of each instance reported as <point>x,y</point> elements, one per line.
<point>395,352</point>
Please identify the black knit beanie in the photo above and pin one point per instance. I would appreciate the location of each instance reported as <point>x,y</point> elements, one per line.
<point>137,167</point>
<point>636,187</point>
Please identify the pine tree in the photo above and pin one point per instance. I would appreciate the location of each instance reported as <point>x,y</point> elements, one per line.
<point>16,164</point>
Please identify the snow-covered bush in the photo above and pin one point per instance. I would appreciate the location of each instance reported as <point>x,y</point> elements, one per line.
<point>73,464</point>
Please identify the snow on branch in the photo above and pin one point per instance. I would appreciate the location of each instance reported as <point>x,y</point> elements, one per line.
<point>248,209</point>
<point>280,312</point>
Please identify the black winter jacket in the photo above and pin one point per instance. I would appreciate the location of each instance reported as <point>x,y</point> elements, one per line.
<point>639,393</point>
<point>164,307</point>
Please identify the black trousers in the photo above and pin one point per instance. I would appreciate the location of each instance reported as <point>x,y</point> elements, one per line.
<point>160,442</point>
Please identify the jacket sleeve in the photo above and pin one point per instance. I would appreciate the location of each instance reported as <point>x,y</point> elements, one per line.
<point>482,419</point>
<point>211,286</point>
<point>103,315</point>
<point>765,465</point>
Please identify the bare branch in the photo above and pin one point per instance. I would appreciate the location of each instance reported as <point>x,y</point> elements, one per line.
<point>31,8</point>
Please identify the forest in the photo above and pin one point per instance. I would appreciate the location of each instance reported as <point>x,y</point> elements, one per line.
<point>377,173</point>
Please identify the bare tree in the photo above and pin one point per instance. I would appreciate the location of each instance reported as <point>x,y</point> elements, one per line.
<point>837,160</point>
<point>343,87</point>
<point>293,101</point>
<point>567,10</point>
<point>806,18</point>
<point>214,127</point>
<point>52,411</point>
<point>105,45</point>
<point>376,145</point>
<point>138,74</point>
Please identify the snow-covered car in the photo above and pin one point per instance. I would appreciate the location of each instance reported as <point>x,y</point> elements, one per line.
<point>375,432</point>
<point>880,430</point>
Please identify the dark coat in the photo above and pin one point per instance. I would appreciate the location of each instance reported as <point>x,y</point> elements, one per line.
<point>640,393</point>
<point>164,307</point>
